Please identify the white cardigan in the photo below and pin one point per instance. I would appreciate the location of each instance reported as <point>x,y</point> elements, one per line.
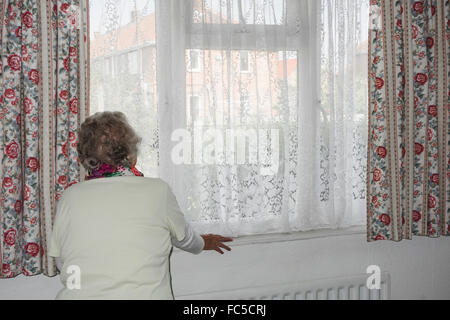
<point>118,232</point>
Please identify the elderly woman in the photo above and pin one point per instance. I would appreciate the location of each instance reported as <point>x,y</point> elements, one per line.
<point>117,228</point>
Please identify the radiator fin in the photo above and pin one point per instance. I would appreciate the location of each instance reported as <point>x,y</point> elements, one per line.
<point>342,288</point>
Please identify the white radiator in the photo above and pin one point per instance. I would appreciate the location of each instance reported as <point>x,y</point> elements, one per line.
<point>342,288</point>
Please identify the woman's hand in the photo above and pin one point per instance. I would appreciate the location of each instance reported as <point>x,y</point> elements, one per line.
<point>215,242</point>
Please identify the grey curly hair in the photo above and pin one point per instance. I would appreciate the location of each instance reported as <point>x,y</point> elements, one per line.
<point>107,137</point>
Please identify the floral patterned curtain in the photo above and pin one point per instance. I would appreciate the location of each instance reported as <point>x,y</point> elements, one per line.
<point>43,99</point>
<point>409,129</point>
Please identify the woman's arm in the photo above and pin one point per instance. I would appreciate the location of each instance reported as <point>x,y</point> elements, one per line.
<point>195,243</point>
<point>192,241</point>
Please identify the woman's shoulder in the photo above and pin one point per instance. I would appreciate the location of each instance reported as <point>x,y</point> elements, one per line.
<point>91,185</point>
<point>117,187</point>
<point>150,182</point>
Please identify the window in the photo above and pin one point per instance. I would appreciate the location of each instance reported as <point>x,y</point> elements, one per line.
<point>109,66</point>
<point>194,61</point>
<point>288,74</point>
<point>244,100</point>
<point>244,63</point>
<point>133,67</point>
<point>149,61</point>
<point>244,107</point>
<point>306,84</point>
<point>257,12</point>
<point>243,23</point>
<point>127,45</point>
<point>194,104</point>
<point>121,63</point>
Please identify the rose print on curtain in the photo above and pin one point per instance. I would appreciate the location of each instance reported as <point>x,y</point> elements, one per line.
<point>19,127</point>
<point>64,92</point>
<point>42,101</point>
<point>408,157</point>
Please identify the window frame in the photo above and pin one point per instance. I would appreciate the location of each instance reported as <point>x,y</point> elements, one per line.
<point>300,33</point>
<point>109,63</point>
<point>284,37</point>
<point>135,55</point>
<point>199,65</point>
<point>199,109</point>
<point>248,61</point>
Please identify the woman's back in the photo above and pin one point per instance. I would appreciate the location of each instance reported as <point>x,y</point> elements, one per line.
<point>118,232</point>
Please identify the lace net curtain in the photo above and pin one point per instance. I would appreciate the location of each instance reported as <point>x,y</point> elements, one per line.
<point>123,68</point>
<point>294,68</point>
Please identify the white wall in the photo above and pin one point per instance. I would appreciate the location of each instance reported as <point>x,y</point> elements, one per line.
<point>420,269</point>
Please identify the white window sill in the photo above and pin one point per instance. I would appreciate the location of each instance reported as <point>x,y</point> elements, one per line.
<point>294,236</point>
